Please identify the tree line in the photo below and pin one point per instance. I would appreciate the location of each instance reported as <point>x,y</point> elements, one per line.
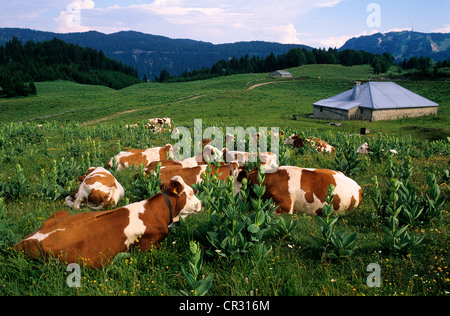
<point>424,67</point>
<point>22,65</point>
<point>293,58</point>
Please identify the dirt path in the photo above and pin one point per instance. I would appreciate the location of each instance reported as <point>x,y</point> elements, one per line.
<point>259,85</point>
<point>107,118</point>
<point>46,116</point>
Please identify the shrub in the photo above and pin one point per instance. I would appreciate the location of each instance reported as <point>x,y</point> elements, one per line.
<point>436,201</point>
<point>198,287</point>
<point>236,224</point>
<point>347,160</point>
<point>16,187</point>
<point>333,244</point>
<point>397,237</point>
<point>145,186</point>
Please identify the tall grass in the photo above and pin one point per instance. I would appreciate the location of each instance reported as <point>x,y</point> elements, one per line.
<point>285,260</point>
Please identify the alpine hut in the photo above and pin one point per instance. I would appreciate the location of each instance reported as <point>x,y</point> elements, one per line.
<point>374,101</point>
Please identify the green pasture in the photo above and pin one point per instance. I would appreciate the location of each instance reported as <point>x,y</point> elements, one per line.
<point>40,166</point>
<point>283,103</point>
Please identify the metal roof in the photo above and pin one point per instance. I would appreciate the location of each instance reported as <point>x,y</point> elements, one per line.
<point>377,96</point>
<point>282,72</point>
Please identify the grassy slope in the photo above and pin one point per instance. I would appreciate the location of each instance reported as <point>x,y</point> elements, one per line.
<point>227,99</point>
<point>293,267</point>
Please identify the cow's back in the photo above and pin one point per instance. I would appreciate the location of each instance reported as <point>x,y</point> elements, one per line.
<point>298,190</point>
<point>85,237</point>
<point>190,175</point>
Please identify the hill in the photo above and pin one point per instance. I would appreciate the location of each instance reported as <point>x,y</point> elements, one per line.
<point>404,44</point>
<point>244,100</point>
<point>56,60</point>
<point>150,54</point>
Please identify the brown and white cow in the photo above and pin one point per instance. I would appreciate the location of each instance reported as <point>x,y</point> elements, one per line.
<point>298,190</point>
<point>320,145</point>
<point>269,159</point>
<point>161,121</point>
<point>363,149</point>
<point>94,238</point>
<point>193,175</point>
<point>135,157</point>
<point>98,189</point>
<point>200,159</point>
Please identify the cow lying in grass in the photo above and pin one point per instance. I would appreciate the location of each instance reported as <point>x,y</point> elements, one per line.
<point>95,238</point>
<point>320,145</point>
<point>298,190</point>
<point>98,189</point>
<point>135,157</point>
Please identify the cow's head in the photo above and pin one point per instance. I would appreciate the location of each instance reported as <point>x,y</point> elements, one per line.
<point>363,149</point>
<point>89,171</point>
<point>212,154</point>
<point>187,203</point>
<point>234,168</point>
<point>296,140</point>
<point>242,174</point>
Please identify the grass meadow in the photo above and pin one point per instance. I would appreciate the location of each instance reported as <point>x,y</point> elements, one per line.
<point>84,126</point>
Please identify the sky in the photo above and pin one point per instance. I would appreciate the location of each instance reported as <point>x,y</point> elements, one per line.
<point>321,23</point>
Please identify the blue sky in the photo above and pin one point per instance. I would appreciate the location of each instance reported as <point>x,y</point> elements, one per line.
<point>321,23</point>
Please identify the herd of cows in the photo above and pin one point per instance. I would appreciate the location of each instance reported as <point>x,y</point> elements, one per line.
<point>96,237</point>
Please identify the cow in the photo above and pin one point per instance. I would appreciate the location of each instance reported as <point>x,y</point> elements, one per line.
<point>161,121</point>
<point>298,142</point>
<point>363,149</point>
<point>323,146</point>
<point>128,126</point>
<point>188,162</point>
<point>298,190</point>
<point>157,129</point>
<point>98,189</point>
<point>95,238</point>
<point>135,157</point>
<point>269,159</point>
<point>193,175</point>
<point>295,140</point>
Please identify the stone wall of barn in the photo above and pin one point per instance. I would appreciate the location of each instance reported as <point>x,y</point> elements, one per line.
<point>330,114</point>
<point>370,115</point>
<point>401,113</point>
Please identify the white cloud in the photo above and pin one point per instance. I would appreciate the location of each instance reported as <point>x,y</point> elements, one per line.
<point>444,29</point>
<point>286,34</point>
<point>70,20</point>
<point>329,4</point>
<point>213,21</point>
<point>337,41</point>
<point>217,21</point>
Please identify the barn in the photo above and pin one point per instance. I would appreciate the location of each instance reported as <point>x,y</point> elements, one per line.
<point>281,74</point>
<point>374,101</point>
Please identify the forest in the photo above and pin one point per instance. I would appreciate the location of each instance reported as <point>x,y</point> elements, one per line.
<point>293,58</point>
<point>416,67</point>
<point>22,65</point>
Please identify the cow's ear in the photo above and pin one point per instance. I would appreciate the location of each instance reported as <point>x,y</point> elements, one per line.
<point>242,174</point>
<point>176,187</point>
<point>81,178</point>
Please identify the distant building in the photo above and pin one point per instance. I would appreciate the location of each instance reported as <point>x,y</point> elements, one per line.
<point>374,101</point>
<point>281,74</point>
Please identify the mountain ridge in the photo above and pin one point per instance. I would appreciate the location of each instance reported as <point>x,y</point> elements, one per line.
<point>404,44</point>
<point>150,54</point>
